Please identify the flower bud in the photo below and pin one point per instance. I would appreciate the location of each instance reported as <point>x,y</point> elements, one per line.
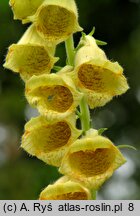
<point>69,190</point>
<point>49,140</point>
<point>91,160</point>
<point>56,20</point>
<point>30,56</point>
<point>55,96</point>
<point>25,8</point>
<point>97,77</point>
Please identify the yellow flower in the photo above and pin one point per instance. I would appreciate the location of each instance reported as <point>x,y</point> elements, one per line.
<point>56,20</point>
<point>30,56</point>
<point>25,8</point>
<point>91,160</point>
<point>97,77</point>
<point>55,96</point>
<point>49,140</point>
<point>68,190</point>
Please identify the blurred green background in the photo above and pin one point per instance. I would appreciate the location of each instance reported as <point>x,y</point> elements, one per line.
<point>118,23</point>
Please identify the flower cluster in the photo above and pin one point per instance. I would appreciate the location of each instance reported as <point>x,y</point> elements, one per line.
<point>85,157</point>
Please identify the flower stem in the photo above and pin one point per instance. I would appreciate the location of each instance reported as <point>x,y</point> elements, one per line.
<point>85,115</point>
<point>84,108</point>
<point>93,194</point>
<point>69,44</point>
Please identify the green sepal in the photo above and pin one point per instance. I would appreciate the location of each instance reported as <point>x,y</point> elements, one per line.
<point>101,130</point>
<point>101,43</point>
<point>92,32</point>
<point>126,146</point>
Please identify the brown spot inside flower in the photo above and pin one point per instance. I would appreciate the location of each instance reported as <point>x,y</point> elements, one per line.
<point>55,21</point>
<point>35,60</point>
<point>96,78</point>
<point>51,137</point>
<point>28,60</point>
<point>91,163</point>
<point>58,98</point>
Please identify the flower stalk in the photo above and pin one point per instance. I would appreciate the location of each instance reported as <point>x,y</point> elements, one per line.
<point>69,44</point>
<point>84,109</point>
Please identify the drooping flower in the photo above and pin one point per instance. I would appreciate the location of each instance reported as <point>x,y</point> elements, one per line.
<point>30,56</point>
<point>56,20</point>
<point>55,96</point>
<point>96,76</point>
<point>49,140</point>
<point>65,190</point>
<point>91,160</point>
<point>25,8</point>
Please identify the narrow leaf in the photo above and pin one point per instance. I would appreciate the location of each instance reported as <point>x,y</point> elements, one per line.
<point>101,43</point>
<point>127,146</point>
<point>101,130</point>
<point>92,32</point>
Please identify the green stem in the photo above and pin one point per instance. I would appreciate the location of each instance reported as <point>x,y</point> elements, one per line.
<point>84,108</point>
<point>93,194</point>
<point>69,44</point>
<point>85,115</point>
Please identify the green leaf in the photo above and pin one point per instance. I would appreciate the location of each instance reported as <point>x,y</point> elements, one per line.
<point>126,146</point>
<point>101,43</point>
<point>92,32</point>
<point>101,130</point>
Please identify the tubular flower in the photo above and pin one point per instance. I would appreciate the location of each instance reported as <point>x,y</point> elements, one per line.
<point>49,140</point>
<point>68,190</point>
<point>30,56</point>
<point>23,9</point>
<point>91,160</point>
<point>55,96</point>
<point>56,20</point>
<point>97,77</point>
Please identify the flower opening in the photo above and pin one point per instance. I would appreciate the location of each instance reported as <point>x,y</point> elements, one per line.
<point>97,77</point>
<point>55,96</point>
<point>56,20</point>
<point>65,191</point>
<point>91,160</point>
<point>48,140</point>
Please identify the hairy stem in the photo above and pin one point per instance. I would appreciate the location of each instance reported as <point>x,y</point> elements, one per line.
<point>85,115</point>
<point>69,44</point>
<point>84,108</point>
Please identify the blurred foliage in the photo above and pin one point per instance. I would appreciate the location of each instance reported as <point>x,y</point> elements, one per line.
<point>118,23</point>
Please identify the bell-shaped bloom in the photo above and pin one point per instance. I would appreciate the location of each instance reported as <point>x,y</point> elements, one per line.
<point>67,190</point>
<point>25,8</point>
<point>30,56</point>
<point>97,77</point>
<point>55,96</point>
<point>49,140</point>
<point>56,20</point>
<point>91,160</point>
